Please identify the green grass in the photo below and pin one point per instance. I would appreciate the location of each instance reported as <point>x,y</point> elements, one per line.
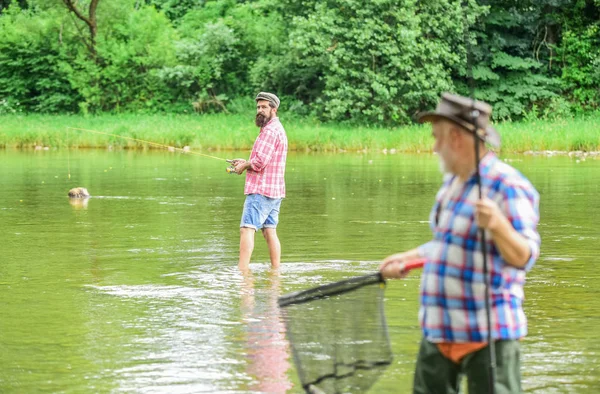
<point>237,132</point>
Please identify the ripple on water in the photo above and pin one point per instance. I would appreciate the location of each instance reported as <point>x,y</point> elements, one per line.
<point>559,371</point>
<point>555,258</point>
<point>183,336</point>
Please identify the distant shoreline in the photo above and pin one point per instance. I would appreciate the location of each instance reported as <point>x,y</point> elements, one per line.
<point>574,154</point>
<point>222,132</point>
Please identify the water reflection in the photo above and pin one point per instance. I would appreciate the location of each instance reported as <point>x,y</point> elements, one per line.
<point>267,350</point>
<point>79,203</point>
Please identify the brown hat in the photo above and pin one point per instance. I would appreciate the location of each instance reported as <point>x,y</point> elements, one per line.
<point>270,97</point>
<point>462,111</point>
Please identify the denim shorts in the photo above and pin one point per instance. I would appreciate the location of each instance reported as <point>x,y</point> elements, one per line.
<point>260,212</point>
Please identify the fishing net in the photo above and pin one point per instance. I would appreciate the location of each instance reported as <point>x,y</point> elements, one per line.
<point>338,334</point>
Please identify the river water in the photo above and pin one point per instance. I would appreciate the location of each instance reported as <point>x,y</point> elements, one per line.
<point>137,291</point>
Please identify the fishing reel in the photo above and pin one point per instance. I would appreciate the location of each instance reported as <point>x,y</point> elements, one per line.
<point>231,168</point>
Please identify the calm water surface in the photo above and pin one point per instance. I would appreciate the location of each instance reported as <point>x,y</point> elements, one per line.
<point>138,290</point>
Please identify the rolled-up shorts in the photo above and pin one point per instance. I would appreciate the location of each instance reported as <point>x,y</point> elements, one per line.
<point>260,212</point>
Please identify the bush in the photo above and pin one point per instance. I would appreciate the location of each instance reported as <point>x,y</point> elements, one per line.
<point>378,61</point>
<point>580,51</point>
<point>125,76</point>
<point>31,63</point>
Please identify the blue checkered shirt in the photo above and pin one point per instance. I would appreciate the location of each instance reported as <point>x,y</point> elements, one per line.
<point>452,284</point>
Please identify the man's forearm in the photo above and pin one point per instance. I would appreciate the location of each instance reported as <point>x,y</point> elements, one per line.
<point>513,246</point>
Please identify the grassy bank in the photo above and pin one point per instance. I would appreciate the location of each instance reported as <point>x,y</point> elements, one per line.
<point>237,132</point>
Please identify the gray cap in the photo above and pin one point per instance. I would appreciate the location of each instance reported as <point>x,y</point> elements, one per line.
<point>463,111</point>
<point>270,97</point>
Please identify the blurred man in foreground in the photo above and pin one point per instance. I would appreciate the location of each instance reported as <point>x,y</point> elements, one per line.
<point>452,297</point>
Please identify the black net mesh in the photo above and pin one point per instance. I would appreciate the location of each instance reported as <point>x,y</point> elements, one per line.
<point>338,334</point>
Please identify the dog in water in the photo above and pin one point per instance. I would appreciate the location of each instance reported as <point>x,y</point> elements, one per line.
<point>79,192</point>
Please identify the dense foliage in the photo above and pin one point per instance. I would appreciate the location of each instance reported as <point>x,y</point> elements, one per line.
<point>344,60</point>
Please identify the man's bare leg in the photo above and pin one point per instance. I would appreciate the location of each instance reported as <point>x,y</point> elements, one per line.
<point>274,245</point>
<point>246,247</point>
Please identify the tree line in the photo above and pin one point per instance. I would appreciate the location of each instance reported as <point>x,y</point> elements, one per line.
<point>376,61</point>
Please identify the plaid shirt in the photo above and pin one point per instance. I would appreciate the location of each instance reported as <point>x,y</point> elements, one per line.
<point>267,162</point>
<point>452,285</point>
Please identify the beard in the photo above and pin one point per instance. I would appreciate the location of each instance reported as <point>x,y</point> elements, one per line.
<point>443,166</point>
<point>445,160</point>
<point>261,120</point>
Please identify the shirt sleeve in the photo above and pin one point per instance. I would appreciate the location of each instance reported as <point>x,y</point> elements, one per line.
<point>264,148</point>
<point>424,249</point>
<point>522,210</point>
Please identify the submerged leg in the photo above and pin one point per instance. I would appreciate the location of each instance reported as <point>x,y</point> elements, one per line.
<point>246,247</point>
<point>274,245</point>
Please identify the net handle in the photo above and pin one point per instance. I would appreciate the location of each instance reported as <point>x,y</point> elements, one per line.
<point>413,264</point>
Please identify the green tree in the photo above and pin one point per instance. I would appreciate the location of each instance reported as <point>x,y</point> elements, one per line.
<point>378,61</point>
<point>131,50</point>
<point>4,4</point>
<point>515,63</point>
<point>89,18</point>
<point>32,55</point>
<point>175,9</point>
<point>579,54</point>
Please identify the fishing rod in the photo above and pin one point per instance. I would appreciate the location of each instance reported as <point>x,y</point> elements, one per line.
<point>230,169</point>
<point>486,270</point>
<point>488,312</point>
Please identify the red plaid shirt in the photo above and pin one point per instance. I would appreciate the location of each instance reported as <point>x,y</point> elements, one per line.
<point>267,162</point>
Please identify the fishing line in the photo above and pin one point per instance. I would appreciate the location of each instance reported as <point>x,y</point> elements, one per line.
<point>230,169</point>
<point>150,143</point>
<point>68,153</point>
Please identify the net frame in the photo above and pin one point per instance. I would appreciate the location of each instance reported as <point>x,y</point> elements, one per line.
<point>332,290</point>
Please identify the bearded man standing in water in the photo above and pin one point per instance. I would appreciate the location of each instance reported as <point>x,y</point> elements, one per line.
<point>265,183</point>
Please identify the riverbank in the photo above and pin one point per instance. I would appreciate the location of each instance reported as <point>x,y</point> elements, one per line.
<point>215,132</point>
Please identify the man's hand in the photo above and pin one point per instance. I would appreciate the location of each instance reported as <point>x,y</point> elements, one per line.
<point>513,246</point>
<point>488,215</point>
<point>393,266</point>
<point>240,165</point>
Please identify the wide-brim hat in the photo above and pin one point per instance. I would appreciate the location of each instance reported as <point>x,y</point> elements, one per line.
<point>471,115</point>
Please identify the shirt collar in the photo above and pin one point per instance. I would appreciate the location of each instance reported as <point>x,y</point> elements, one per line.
<point>269,122</point>
<point>485,165</point>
